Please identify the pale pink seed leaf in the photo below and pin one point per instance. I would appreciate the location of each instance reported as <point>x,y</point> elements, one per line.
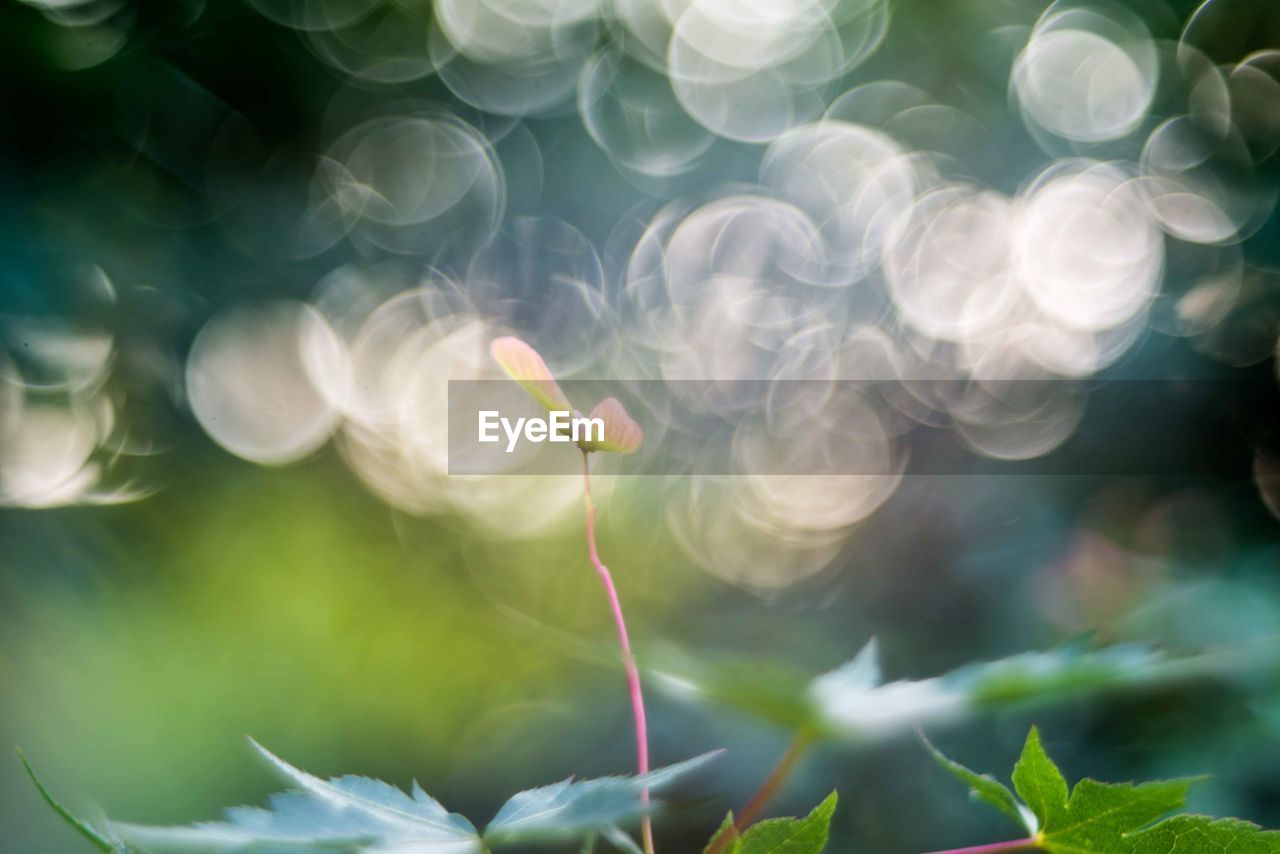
<point>523,364</point>
<point>622,435</point>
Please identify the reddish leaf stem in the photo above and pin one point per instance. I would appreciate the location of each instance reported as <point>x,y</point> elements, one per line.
<point>1028,844</point>
<point>767,790</point>
<point>628,660</point>
<point>771,784</point>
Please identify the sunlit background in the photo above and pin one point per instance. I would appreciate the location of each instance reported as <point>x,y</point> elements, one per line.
<point>245,244</point>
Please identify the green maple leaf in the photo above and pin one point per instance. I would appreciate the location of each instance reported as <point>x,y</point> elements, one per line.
<point>1196,834</point>
<point>1107,818</point>
<point>806,835</point>
<point>983,787</point>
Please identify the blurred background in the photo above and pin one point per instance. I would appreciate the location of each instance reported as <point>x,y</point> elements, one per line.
<point>244,246</point>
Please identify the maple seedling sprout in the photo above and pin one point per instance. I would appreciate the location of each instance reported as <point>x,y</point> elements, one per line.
<point>622,435</point>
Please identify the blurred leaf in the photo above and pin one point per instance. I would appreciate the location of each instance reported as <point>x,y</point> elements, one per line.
<point>571,808</point>
<point>366,815</point>
<point>621,841</point>
<point>862,673</point>
<point>100,840</point>
<point>295,822</point>
<point>353,813</point>
<point>850,703</point>
<point>622,435</point>
<point>761,688</point>
<point>1068,671</point>
<point>806,835</point>
<point>524,365</point>
<point>432,821</point>
<point>1116,818</point>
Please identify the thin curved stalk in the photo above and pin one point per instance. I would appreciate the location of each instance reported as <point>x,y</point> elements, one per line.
<point>771,784</point>
<point>624,641</point>
<point>769,787</point>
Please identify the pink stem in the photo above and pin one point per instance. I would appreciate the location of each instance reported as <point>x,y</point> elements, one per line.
<point>1028,844</point>
<point>628,660</point>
